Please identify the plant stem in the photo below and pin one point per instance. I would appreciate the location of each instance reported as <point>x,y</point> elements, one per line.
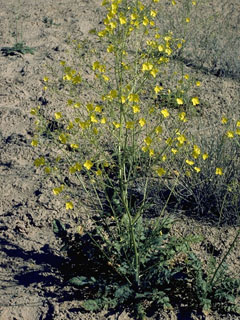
<point>224,258</point>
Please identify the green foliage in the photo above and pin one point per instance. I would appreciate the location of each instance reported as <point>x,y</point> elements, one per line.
<point>19,47</point>
<point>220,294</point>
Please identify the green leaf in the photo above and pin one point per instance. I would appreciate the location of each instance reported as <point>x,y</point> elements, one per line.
<point>92,305</point>
<point>58,227</point>
<point>82,281</point>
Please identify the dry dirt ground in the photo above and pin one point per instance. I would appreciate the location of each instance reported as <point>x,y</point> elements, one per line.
<point>30,283</point>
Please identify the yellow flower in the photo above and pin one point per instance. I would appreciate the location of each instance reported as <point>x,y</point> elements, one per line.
<point>237,132</point>
<point>151,110</point>
<point>103,120</point>
<point>224,120</point>
<point>90,107</point>
<point>129,124</point>
<point>194,3</point>
<point>69,205</point>
<point>195,101</point>
<point>179,101</point>
<point>58,115</point>
<point>74,145</point>
<point>174,151</point>
<point>125,66</point>
<point>158,130</point>
<point>186,76</point>
<point>158,88</point>
<point>77,79</point>
<point>168,51</point>
<point>144,149</point>
<point>39,162</point>
<point>104,2</point>
<point>110,48</point>
<point>205,156</point>
<point>47,170</point>
<point>34,111</point>
<point>153,13</point>
<point>78,166</point>
<point>88,164</point>
<point>238,124</point>
<point>72,170</point>
<point>116,124</point>
<point>160,48</point>
<point>196,151</point>
<point>197,169</point>
<point>105,78</point>
<point>230,134</point>
<point>98,172</point>
<point>70,102</point>
<point>133,97</point>
<point>84,124</point>
<point>102,33</point>
<point>34,143</point>
<point>98,109</point>
<point>187,20</point>
<point>93,119</point>
<point>173,2</point>
<point>154,72</point>
<point>182,116</point>
<point>198,83</point>
<point>77,105</point>
<point>188,173</point>
<point>181,139</point>
<point>169,141</point>
<point>145,21</point>
<point>142,122</point>
<point>148,141</point>
<point>123,99</point>
<point>134,16</point>
<point>113,24</point>
<point>151,152</point>
<point>190,162</point>
<point>112,94</point>
<point>165,113</point>
<point>122,20</point>
<point>160,172</point>
<point>58,190</point>
<point>45,79</point>
<point>147,66</point>
<point>219,171</point>
<point>164,158</point>
<point>62,137</point>
<point>136,109</point>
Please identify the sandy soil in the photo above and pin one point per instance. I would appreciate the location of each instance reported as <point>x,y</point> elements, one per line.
<point>31,285</point>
